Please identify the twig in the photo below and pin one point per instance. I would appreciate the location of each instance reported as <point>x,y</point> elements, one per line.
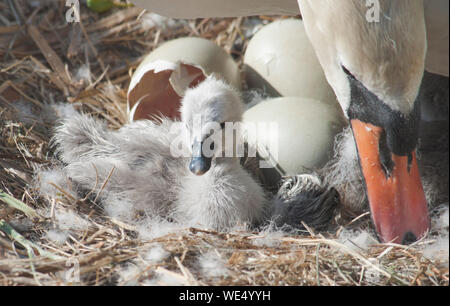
<point>63,191</point>
<point>187,274</point>
<point>104,184</point>
<point>52,58</point>
<point>317,265</point>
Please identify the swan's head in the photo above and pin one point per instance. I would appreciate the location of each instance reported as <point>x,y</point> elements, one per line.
<point>373,55</point>
<point>207,110</point>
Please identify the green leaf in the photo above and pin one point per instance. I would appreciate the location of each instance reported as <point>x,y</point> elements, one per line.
<point>100,6</point>
<point>28,245</point>
<point>19,205</point>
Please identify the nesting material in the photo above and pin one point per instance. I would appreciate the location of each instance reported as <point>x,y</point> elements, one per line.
<point>52,183</point>
<point>155,227</point>
<point>129,274</point>
<point>57,236</point>
<point>156,254</point>
<point>65,222</point>
<point>70,220</point>
<point>438,248</point>
<point>165,278</point>
<point>357,239</point>
<point>83,74</point>
<point>269,237</point>
<point>151,21</point>
<point>212,265</point>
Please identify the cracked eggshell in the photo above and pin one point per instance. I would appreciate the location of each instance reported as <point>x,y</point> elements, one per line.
<point>160,80</point>
<point>303,138</point>
<point>281,60</point>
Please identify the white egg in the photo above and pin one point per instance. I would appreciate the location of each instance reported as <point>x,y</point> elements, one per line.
<point>295,134</point>
<point>160,80</point>
<point>281,60</point>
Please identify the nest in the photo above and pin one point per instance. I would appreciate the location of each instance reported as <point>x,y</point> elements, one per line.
<point>48,64</point>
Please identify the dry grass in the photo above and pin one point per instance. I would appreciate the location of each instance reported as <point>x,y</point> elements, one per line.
<point>40,56</point>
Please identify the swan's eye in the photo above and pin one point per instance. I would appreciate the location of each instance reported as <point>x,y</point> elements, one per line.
<point>347,72</point>
<point>211,146</point>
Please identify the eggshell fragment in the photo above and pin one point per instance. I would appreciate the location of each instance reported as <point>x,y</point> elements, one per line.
<point>160,80</point>
<point>281,60</point>
<point>304,136</point>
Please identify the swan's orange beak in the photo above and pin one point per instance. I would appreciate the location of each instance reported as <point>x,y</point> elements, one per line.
<point>397,201</point>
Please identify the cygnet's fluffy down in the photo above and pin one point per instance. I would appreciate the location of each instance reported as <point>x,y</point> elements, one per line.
<point>141,172</point>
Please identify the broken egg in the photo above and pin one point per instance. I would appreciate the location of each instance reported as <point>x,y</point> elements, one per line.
<point>292,135</point>
<point>159,82</point>
<point>281,61</point>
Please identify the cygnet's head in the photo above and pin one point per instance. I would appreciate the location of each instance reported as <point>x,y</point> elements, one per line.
<point>206,110</point>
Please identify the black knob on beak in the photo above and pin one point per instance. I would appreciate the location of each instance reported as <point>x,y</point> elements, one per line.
<point>200,164</point>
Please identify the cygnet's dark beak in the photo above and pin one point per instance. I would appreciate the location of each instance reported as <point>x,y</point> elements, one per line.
<point>200,164</point>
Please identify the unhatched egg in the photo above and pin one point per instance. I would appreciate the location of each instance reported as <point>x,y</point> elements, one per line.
<point>160,80</point>
<point>293,134</point>
<point>281,60</point>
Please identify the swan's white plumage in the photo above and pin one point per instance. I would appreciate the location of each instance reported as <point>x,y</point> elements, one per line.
<point>387,56</point>
<point>218,8</point>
